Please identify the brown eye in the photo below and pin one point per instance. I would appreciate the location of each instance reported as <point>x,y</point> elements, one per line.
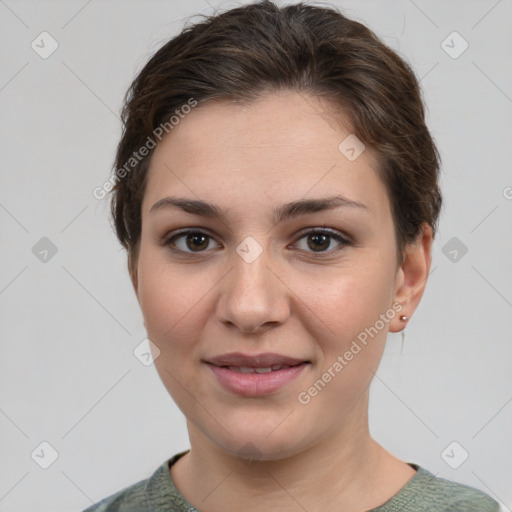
<point>320,241</point>
<point>197,241</point>
<point>189,242</point>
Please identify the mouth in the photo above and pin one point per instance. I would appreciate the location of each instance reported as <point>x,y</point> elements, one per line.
<point>254,376</point>
<point>268,361</point>
<point>250,369</point>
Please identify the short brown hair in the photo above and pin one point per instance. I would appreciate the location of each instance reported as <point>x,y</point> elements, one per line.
<point>246,52</point>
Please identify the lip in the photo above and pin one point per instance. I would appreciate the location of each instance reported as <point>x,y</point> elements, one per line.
<point>263,360</point>
<point>255,384</point>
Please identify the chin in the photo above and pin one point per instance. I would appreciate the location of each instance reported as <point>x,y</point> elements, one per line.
<point>256,444</point>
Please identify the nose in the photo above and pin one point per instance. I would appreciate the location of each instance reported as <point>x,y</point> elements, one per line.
<point>253,296</point>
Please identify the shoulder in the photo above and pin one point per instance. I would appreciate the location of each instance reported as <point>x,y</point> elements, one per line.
<point>154,493</point>
<point>131,498</point>
<point>426,492</point>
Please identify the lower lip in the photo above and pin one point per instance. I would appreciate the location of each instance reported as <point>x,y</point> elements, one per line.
<point>256,384</point>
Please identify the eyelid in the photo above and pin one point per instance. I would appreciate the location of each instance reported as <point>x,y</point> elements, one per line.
<point>167,239</point>
<point>338,236</point>
<point>322,230</point>
<point>342,239</point>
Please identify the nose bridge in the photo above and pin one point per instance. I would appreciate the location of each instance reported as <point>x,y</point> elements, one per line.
<point>251,295</point>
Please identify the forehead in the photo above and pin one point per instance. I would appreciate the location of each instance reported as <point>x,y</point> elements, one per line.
<point>278,148</point>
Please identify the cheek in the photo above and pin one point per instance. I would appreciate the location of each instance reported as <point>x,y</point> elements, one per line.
<point>349,306</point>
<point>352,299</point>
<point>350,346</point>
<point>171,305</point>
<point>167,293</point>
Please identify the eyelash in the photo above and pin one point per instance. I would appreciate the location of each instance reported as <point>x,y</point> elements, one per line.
<point>169,241</point>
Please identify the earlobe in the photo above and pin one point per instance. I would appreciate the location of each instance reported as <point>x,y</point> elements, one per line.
<point>411,278</point>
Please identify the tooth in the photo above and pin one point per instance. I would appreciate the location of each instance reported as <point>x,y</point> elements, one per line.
<point>285,366</point>
<point>245,369</point>
<point>276,367</point>
<point>234,368</point>
<point>263,370</point>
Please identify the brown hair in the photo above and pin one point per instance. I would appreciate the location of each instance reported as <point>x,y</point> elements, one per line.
<point>243,54</point>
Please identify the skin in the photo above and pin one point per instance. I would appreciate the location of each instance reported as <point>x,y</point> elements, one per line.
<point>249,159</point>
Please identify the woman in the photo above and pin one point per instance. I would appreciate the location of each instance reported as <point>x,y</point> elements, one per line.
<point>276,190</point>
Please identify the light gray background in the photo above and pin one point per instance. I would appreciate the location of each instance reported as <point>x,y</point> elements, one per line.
<point>69,326</point>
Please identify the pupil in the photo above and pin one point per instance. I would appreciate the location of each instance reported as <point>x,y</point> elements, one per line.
<point>193,237</point>
<point>322,238</point>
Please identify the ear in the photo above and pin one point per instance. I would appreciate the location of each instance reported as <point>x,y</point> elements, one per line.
<point>132,271</point>
<point>134,277</point>
<point>411,278</point>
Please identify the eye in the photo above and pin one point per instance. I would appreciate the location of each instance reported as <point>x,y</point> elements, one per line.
<point>319,240</point>
<point>190,240</point>
<point>315,241</point>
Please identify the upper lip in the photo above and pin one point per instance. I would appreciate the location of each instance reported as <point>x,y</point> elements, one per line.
<point>264,360</point>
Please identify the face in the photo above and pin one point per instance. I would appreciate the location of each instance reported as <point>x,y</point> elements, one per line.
<point>259,309</point>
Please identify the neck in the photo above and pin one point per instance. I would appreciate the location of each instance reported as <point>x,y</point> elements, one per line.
<point>343,469</point>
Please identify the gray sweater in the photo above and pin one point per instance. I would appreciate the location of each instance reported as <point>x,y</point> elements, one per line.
<point>424,492</point>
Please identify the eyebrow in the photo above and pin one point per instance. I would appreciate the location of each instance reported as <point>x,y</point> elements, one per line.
<point>281,213</point>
